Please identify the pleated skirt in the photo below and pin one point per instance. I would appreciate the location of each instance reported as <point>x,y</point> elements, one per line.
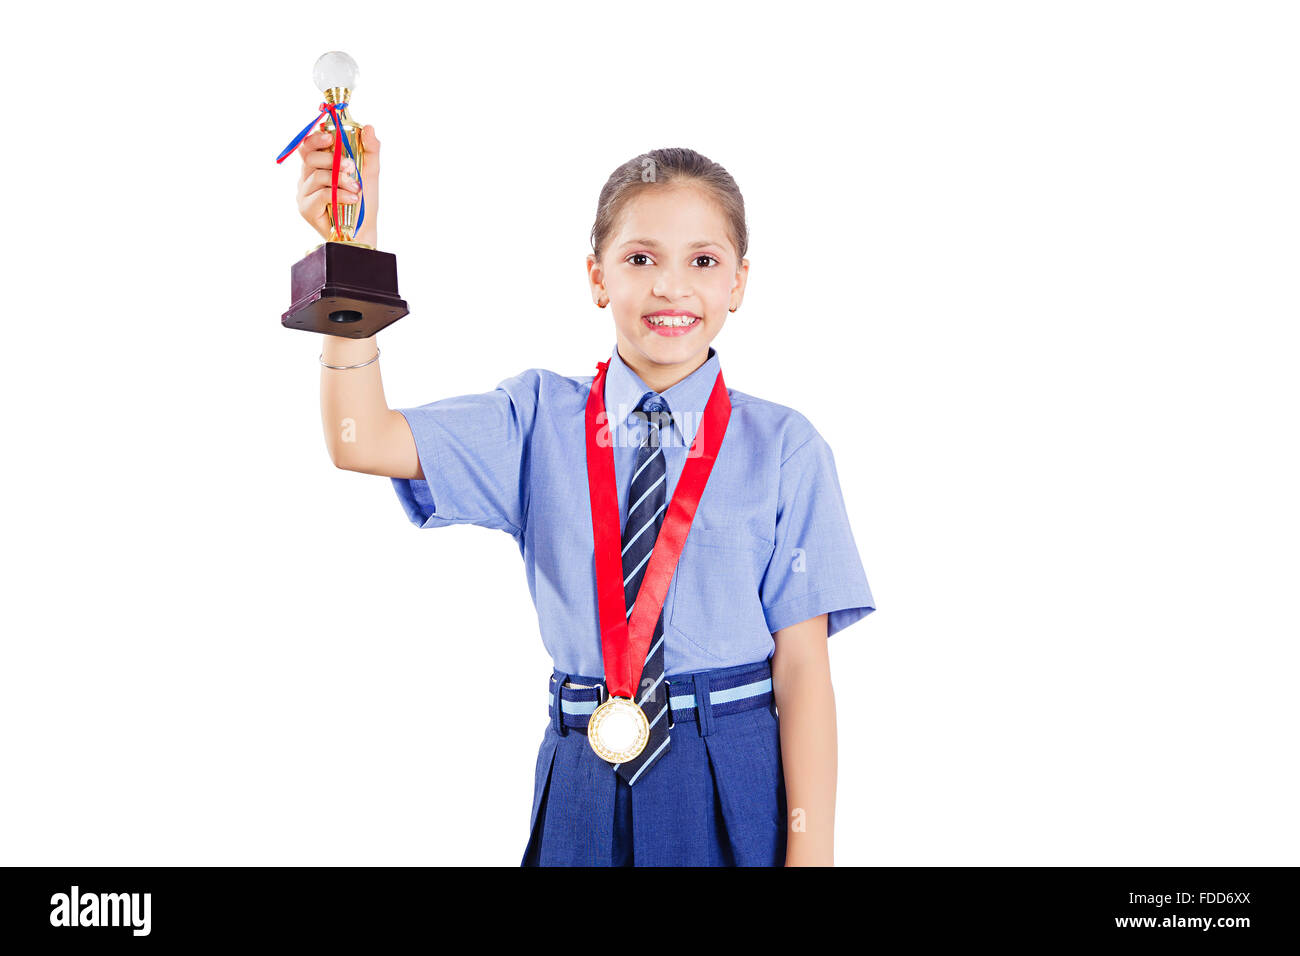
<point>716,798</point>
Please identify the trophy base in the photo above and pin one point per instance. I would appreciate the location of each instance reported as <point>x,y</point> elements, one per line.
<point>346,289</point>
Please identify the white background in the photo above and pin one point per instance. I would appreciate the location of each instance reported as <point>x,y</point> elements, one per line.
<point>1029,267</point>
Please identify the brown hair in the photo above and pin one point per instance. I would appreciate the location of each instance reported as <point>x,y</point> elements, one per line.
<point>660,167</point>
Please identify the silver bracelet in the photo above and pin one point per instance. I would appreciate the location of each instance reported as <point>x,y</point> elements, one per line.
<point>362,365</point>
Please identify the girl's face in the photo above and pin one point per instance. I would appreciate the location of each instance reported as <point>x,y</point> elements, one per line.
<point>669,254</point>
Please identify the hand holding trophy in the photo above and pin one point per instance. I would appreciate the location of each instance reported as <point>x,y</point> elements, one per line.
<point>344,286</point>
<point>316,184</point>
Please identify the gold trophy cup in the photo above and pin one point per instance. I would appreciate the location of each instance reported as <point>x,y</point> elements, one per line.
<point>342,287</point>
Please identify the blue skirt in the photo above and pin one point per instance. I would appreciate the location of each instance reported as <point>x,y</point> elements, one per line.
<point>716,798</point>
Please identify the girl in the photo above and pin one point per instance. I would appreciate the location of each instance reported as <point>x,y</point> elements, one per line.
<point>686,544</point>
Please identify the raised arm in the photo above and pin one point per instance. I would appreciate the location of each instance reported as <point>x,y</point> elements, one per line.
<point>361,432</point>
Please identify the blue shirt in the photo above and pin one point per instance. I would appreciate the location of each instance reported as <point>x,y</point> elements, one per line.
<point>770,544</point>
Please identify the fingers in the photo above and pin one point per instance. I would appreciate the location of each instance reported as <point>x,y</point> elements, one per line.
<point>317,149</point>
<point>323,197</point>
<point>316,178</point>
<point>314,190</point>
<point>315,207</point>
<point>313,143</point>
<point>322,157</point>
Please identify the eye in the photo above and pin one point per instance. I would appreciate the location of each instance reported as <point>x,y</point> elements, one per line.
<point>710,258</point>
<point>637,255</point>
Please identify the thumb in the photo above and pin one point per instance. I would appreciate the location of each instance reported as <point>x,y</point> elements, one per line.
<point>369,141</point>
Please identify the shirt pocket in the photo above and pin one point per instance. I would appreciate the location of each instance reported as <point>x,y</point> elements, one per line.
<point>715,588</point>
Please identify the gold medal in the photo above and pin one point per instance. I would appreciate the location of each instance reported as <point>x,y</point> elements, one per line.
<point>618,730</point>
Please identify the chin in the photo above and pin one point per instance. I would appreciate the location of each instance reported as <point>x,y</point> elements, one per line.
<point>670,353</point>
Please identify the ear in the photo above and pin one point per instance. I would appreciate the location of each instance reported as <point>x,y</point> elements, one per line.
<point>595,277</point>
<point>742,277</point>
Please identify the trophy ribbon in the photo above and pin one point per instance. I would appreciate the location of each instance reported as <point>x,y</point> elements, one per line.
<point>624,642</point>
<point>331,108</point>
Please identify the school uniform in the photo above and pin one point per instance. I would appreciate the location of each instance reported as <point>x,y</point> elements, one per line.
<point>769,546</point>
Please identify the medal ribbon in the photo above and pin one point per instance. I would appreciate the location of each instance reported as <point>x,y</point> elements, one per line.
<point>624,642</point>
<point>332,109</point>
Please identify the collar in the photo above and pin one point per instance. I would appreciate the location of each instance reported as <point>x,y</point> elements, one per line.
<point>686,400</point>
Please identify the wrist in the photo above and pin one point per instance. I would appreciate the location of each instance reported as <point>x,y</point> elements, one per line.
<point>337,350</point>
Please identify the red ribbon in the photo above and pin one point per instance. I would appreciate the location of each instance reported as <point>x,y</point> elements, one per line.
<point>624,643</point>
<point>338,155</point>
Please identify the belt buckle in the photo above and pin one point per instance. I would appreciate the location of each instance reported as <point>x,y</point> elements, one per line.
<point>668,699</point>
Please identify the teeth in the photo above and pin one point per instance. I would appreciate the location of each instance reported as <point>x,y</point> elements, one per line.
<point>672,320</point>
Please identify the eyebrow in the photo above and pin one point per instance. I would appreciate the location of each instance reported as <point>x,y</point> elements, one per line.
<point>698,244</point>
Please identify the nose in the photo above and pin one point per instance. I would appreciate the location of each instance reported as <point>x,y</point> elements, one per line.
<point>671,284</point>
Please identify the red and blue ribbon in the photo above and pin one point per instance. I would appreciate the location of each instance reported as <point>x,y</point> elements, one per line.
<point>332,109</point>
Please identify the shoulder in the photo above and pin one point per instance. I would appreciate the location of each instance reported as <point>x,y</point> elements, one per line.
<point>788,428</point>
<point>542,383</point>
<point>543,380</point>
<point>547,393</point>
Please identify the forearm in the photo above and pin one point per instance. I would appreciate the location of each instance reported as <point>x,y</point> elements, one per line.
<point>805,699</point>
<point>354,411</point>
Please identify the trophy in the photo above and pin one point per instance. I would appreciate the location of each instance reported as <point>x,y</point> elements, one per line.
<point>342,287</point>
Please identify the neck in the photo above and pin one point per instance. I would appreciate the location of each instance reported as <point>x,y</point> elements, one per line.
<point>663,377</point>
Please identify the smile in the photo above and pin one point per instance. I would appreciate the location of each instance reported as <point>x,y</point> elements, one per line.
<point>671,324</point>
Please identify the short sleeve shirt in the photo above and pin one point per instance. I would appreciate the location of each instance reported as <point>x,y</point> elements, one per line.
<point>769,546</point>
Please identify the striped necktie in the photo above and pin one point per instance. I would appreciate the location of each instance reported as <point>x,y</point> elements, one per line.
<point>646,503</point>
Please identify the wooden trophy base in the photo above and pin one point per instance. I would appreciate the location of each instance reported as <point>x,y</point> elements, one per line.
<point>345,289</point>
